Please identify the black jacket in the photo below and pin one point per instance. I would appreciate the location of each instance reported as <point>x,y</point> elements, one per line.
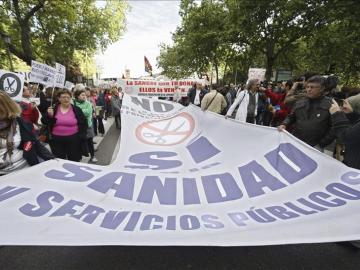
<point>82,126</point>
<point>350,135</point>
<point>311,121</point>
<point>192,94</point>
<point>80,117</point>
<point>32,148</point>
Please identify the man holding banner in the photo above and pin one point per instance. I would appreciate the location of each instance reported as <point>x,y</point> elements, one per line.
<point>310,116</point>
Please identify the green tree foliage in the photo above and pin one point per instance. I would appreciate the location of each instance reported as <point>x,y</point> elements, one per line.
<point>198,43</point>
<point>52,31</point>
<point>336,48</point>
<point>272,27</point>
<point>300,35</point>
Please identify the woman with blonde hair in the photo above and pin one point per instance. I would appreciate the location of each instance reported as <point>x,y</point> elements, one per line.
<point>19,147</point>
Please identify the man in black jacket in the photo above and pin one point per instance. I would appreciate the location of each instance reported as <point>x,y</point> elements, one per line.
<point>197,93</point>
<point>310,118</point>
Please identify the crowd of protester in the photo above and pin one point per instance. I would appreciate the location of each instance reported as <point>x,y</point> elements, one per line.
<point>53,123</point>
<point>313,108</point>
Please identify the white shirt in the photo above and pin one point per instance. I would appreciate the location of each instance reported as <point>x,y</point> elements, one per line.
<point>17,159</point>
<point>197,97</point>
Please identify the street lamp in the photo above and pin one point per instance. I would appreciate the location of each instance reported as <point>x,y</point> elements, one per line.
<point>7,41</point>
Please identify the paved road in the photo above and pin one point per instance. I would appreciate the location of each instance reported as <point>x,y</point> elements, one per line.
<point>293,257</point>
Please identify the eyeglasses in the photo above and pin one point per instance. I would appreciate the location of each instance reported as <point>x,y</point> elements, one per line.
<point>65,97</point>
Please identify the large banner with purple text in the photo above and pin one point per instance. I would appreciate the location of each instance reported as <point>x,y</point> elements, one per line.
<point>185,177</point>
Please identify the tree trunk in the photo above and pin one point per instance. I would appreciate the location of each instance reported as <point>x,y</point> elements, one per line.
<point>269,67</point>
<point>270,59</point>
<point>25,43</point>
<point>225,68</point>
<point>217,72</point>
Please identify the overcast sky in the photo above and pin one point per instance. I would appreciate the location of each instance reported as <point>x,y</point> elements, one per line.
<point>149,23</point>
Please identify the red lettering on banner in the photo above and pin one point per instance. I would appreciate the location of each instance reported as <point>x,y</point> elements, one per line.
<point>164,83</point>
<point>147,90</point>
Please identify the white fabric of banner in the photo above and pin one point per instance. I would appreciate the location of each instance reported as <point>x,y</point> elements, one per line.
<point>185,177</point>
<point>153,88</point>
<point>42,73</point>
<point>69,85</point>
<point>256,73</point>
<point>60,75</point>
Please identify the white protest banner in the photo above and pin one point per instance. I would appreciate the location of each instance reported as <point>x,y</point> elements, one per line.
<point>42,73</point>
<point>60,75</point>
<point>185,177</point>
<point>69,85</point>
<point>12,83</point>
<point>257,73</point>
<point>153,88</point>
<point>27,75</point>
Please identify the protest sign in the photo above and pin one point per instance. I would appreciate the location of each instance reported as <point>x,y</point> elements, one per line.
<point>12,84</point>
<point>185,177</point>
<point>257,73</point>
<point>42,73</point>
<point>69,85</point>
<point>27,75</point>
<point>60,75</point>
<point>153,88</point>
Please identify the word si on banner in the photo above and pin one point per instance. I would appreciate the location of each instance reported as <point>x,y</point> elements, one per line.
<point>153,88</point>
<point>12,83</point>
<point>42,73</point>
<point>185,177</point>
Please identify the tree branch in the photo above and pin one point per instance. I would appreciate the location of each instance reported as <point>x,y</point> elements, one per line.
<point>17,11</point>
<point>13,49</point>
<point>36,8</point>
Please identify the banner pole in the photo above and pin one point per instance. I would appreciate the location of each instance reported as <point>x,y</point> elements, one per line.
<point>52,96</point>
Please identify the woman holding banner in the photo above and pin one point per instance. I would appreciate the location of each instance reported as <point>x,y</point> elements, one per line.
<point>346,125</point>
<point>88,111</point>
<point>68,126</point>
<point>19,147</point>
<point>116,102</point>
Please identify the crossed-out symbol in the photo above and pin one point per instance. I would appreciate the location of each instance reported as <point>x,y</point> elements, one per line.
<point>11,84</point>
<point>166,132</point>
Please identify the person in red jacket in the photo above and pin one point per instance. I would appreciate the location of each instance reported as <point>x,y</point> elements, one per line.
<point>280,110</point>
<point>29,112</point>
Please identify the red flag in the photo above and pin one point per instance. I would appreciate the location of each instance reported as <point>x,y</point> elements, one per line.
<point>148,67</point>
